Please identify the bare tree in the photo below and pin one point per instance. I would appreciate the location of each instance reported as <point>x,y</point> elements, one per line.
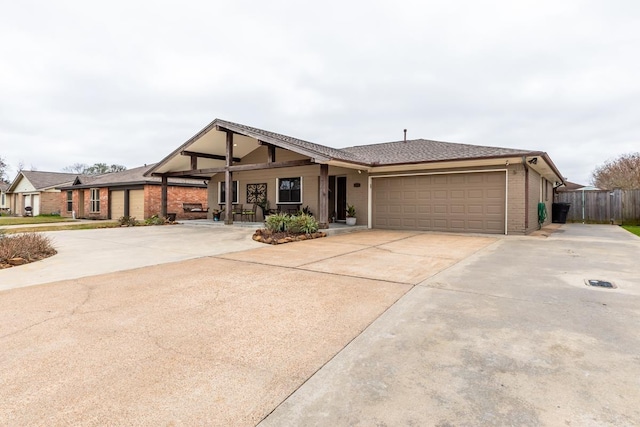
<point>622,172</point>
<point>75,168</point>
<point>95,169</point>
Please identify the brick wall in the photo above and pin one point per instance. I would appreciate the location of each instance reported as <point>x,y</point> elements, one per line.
<point>49,202</point>
<point>176,196</point>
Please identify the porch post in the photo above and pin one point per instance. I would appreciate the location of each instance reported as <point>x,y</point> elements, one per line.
<point>163,197</point>
<point>324,196</point>
<point>228,180</point>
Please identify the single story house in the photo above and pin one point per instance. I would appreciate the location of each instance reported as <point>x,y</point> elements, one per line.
<point>4,199</point>
<point>130,193</point>
<point>404,185</point>
<point>38,191</point>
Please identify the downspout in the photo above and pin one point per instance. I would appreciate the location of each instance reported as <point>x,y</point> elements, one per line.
<point>526,194</point>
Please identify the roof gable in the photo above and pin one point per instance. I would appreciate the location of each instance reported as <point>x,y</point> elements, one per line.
<point>43,180</point>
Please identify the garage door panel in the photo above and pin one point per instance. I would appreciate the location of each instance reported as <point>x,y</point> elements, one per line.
<point>457,194</point>
<point>136,204</point>
<point>458,209</point>
<point>116,199</point>
<point>465,202</point>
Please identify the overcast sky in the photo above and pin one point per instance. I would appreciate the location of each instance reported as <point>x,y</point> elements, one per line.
<point>128,82</point>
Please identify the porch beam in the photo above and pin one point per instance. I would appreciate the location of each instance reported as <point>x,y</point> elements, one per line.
<point>271,153</point>
<point>228,177</point>
<point>324,196</point>
<point>238,168</point>
<point>208,156</point>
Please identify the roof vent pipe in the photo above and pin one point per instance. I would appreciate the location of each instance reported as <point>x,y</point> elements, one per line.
<point>405,135</point>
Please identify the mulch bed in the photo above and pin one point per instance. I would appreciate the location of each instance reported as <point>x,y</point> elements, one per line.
<point>265,236</point>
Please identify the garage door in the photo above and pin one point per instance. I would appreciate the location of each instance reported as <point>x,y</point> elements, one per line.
<point>117,204</point>
<point>465,202</point>
<point>136,204</point>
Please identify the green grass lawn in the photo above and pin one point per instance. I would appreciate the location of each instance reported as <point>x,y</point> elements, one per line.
<point>18,220</point>
<point>80,226</point>
<point>635,229</point>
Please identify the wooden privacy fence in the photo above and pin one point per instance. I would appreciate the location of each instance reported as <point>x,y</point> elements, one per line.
<point>612,207</point>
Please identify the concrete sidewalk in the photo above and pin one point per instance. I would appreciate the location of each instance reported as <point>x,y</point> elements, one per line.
<point>509,336</point>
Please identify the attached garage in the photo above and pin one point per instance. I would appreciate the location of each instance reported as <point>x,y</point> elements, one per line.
<point>119,203</point>
<point>455,202</point>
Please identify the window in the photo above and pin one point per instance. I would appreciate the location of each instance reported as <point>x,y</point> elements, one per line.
<point>2,200</point>
<point>290,190</point>
<point>95,200</point>
<point>69,201</point>
<point>222,198</point>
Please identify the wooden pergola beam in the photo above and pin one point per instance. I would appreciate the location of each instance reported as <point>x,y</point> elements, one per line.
<point>238,168</point>
<point>208,156</point>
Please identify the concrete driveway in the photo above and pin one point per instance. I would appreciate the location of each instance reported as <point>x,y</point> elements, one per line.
<point>218,340</point>
<point>89,252</point>
<point>372,328</point>
<point>509,336</point>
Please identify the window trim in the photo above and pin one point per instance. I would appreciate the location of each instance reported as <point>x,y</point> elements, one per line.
<point>69,200</point>
<point>236,201</point>
<point>278,191</point>
<point>94,204</point>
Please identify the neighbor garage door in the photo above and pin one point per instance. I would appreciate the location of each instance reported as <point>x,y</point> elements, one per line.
<point>136,204</point>
<point>464,202</point>
<point>116,199</point>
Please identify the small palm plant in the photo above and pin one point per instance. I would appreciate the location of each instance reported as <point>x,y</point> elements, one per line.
<point>351,215</point>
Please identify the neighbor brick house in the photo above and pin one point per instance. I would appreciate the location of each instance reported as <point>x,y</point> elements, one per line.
<point>129,193</point>
<point>4,198</point>
<point>38,191</point>
<point>409,185</point>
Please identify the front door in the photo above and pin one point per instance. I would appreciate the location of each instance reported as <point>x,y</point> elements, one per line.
<point>341,198</point>
<point>80,204</point>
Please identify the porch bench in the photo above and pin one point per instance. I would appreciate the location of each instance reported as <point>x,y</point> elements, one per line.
<point>194,207</point>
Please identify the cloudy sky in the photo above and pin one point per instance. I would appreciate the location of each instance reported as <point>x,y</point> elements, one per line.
<point>127,82</point>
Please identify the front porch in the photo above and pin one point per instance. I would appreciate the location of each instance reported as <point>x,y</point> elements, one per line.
<point>251,169</point>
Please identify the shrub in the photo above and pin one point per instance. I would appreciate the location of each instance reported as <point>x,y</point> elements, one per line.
<point>294,224</point>
<point>155,220</point>
<point>29,246</point>
<point>302,224</point>
<point>277,222</point>
<point>128,221</point>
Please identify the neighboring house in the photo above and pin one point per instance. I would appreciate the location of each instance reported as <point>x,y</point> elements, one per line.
<point>408,185</point>
<point>4,198</point>
<point>37,190</point>
<point>129,193</point>
<point>572,186</point>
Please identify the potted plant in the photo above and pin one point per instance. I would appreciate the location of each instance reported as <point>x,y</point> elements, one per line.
<point>265,206</point>
<point>351,215</point>
<point>216,214</point>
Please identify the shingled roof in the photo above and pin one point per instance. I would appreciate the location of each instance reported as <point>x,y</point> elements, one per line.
<point>44,180</point>
<point>133,176</point>
<point>3,186</point>
<point>389,153</point>
<point>424,150</point>
<point>278,140</point>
